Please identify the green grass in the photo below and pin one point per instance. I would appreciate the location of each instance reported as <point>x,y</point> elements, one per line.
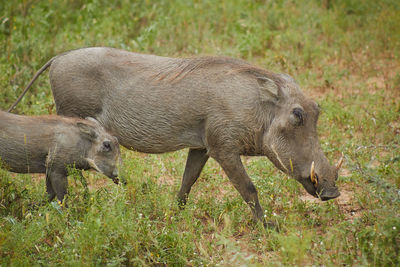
<point>344,54</point>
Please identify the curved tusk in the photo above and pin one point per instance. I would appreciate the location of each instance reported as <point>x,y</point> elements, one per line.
<point>339,164</point>
<point>93,165</point>
<point>279,159</point>
<point>312,173</point>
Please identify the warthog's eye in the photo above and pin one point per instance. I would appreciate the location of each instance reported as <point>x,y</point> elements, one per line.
<point>297,116</point>
<point>106,146</point>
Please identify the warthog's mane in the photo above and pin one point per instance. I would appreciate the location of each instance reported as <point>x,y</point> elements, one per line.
<point>180,68</point>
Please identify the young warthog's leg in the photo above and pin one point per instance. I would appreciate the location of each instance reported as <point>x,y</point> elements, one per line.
<point>233,167</point>
<point>49,188</point>
<point>195,162</point>
<point>59,183</point>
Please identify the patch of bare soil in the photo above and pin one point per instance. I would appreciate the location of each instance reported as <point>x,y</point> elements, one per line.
<point>36,177</point>
<point>95,184</point>
<point>166,180</point>
<point>345,201</point>
<point>344,172</point>
<point>379,77</point>
<point>236,249</point>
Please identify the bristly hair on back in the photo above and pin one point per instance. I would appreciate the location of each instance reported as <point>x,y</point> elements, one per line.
<point>180,68</point>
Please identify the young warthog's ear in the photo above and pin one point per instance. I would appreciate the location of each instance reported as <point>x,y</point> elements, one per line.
<point>87,130</point>
<point>268,88</point>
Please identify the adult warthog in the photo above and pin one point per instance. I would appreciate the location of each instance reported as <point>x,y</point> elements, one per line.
<point>217,107</point>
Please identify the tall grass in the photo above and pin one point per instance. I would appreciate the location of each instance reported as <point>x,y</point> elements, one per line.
<point>344,53</point>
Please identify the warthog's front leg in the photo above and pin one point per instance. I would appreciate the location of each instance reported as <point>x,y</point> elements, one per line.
<point>58,181</point>
<point>195,162</point>
<point>49,188</point>
<point>233,167</point>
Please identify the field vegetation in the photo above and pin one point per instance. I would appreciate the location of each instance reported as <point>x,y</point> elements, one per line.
<point>343,53</point>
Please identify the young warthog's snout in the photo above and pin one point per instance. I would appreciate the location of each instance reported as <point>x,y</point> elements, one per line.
<point>104,155</point>
<point>114,176</point>
<point>114,173</point>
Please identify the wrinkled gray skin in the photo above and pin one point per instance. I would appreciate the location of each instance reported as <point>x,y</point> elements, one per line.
<point>217,107</point>
<point>48,144</point>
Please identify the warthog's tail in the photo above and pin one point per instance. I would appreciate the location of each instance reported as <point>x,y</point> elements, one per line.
<point>31,82</point>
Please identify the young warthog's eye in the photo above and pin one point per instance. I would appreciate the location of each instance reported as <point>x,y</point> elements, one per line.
<point>106,146</point>
<point>297,117</point>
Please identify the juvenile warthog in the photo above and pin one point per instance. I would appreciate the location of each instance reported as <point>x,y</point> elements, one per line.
<point>217,107</point>
<point>48,144</point>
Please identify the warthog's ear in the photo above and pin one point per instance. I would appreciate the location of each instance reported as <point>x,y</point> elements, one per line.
<point>269,89</point>
<point>87,130</point>
<point>287,77</point>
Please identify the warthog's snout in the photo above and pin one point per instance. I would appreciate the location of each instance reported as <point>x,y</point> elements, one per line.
<point>114,176</point>
<point>322,187</point>
<point>319,190</point>
<point>329,194</point>
<point>324,190</point>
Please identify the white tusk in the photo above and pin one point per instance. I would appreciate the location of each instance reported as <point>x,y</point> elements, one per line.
<point>312,173</point>
<point>93,165</point>
<point>340,162</point>
<point>279,159</point>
